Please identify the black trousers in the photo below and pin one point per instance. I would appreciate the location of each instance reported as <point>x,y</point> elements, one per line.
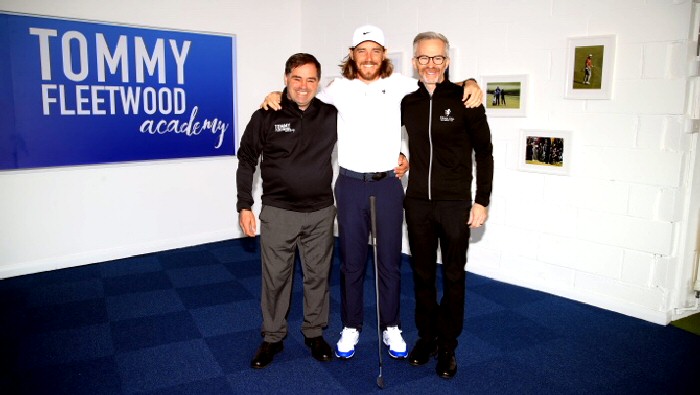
<point>430,223</point>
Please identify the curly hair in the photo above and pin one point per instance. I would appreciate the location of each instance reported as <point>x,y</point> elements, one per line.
<point>349,68</point>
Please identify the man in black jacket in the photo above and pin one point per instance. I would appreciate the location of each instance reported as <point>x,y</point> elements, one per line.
<point>442,134</point>
<point>297,205</point>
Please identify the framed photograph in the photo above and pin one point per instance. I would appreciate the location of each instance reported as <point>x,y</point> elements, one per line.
<point>506,95</point>
<point>589,68</point>
<point>452,72</point>
<point>397,60</point>
<point>545,151</point>
<point>695,30</point>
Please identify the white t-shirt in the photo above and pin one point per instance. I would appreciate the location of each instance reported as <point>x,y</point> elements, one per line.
<point>369,120</point>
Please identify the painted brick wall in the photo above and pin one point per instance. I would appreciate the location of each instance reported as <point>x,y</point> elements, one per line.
<point>604,233</point>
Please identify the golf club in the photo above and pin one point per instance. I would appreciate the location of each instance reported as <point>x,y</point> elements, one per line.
<point>373,216</point>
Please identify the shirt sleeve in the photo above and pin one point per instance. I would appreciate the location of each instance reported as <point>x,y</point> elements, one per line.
<point>404,142</point>
<point>248,155</point>
<point>408,84</point>
<point>483,154</point>
<point>326,93</point>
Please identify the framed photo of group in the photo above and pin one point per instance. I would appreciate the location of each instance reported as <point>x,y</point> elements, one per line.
<point>589,67</point>
<point>506,95</point>
<point>545,151</point>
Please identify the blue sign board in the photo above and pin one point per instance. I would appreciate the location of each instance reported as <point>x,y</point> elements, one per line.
<point>77,92</point>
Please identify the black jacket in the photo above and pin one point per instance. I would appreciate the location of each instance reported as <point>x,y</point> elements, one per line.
<point>443,134</point>
<point>296,148</point>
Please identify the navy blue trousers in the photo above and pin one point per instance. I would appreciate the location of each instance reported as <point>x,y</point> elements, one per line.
<point>352,200</point>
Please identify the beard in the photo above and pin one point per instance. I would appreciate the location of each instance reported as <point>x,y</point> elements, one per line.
<point>432,78</point>
<point>368,74</point>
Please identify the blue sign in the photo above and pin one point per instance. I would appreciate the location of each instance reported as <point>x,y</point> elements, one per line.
<point>76,93</point>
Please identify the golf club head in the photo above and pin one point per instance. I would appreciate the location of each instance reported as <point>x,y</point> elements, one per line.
<point>380,382</point>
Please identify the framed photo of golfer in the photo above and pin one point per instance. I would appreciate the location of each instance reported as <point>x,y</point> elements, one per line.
<point>506,95</point>
<point>545,151</point>
<point>589,69</point>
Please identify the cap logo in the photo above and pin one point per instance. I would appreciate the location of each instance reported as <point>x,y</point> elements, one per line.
<point>367,33</point>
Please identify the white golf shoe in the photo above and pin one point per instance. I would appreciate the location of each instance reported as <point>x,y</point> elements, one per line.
<point>397,346</point>
<point>346,345</point>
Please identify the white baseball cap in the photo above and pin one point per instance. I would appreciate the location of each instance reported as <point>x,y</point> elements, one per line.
<point>367,33</point>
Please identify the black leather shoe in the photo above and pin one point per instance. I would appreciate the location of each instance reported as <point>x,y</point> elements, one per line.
<point>319,348</point>
<point>446,365</point>
<point>422,351</point>
<point>265,353</point>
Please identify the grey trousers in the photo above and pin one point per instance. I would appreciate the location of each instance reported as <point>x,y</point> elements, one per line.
<point>282,232</point>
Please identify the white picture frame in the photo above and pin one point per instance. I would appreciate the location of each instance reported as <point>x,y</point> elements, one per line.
<point>512,98</point>
<point>695,31</point>
<point>453,70</point>
<point>592,80</point>
<point>397,60</point>
<point>545,151</point>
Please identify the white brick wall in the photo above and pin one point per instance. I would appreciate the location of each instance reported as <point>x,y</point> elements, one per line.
<point>662,168</point>
<point>601,195</point>
<point>607,232</point>
<point>643,201</point>
<point>650,131</point>
<point>625,231</point>
<point>637,267</point>
<point>582,256</point>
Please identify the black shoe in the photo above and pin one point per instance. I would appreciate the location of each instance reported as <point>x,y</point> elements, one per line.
<point>265,353</point>
<point>319,348</point>
<point>422,351</point>
<point>446,365</point>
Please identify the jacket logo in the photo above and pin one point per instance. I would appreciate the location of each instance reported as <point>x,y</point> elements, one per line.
<point>447,117</point>
<point>284,128</point>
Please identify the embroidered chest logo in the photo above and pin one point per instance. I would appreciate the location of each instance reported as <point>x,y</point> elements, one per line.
<point>284,128</point>
<point>447,117</point>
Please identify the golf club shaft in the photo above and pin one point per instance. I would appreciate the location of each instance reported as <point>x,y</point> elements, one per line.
<point>373,218</point>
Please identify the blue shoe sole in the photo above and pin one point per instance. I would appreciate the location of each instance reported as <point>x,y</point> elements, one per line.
<point>344,355</point>
<point>398,355</point>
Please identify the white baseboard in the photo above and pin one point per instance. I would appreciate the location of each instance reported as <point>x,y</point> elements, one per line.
<point>606,303</point>
<point>96,256</point>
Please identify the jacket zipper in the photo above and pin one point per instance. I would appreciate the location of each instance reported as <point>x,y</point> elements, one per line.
<point>430,140</point>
